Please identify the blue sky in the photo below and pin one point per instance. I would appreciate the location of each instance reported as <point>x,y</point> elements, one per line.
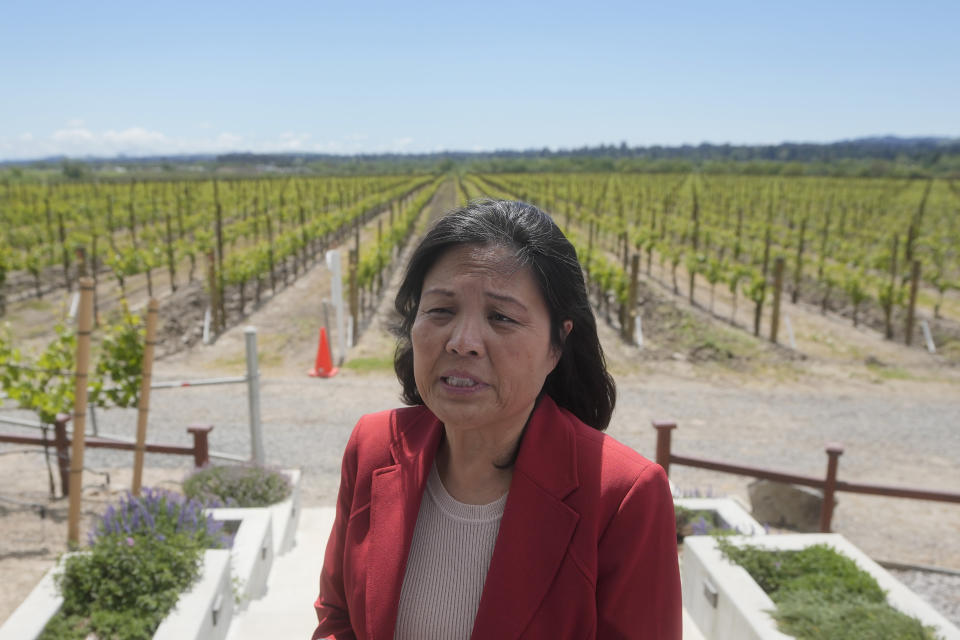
<point>339,77</point>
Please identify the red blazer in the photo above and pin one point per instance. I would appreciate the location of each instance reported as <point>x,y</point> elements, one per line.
<point>586,547</point>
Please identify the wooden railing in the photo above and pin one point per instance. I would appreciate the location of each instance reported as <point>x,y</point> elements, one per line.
<point>829,484</point>
<point>61,442</point>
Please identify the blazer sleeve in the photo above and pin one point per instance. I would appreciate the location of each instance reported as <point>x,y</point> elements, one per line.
<point>638,577</point>
<point>331,605</point>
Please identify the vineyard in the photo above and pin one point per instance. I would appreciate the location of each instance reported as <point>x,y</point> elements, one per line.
<point>229,243</point>
<point>868,249</point>
<point>850,246</point>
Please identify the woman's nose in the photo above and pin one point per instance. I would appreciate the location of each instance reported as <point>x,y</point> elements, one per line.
<point>466,338</point>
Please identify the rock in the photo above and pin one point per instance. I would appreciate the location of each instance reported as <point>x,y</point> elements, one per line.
<point>786,505</point>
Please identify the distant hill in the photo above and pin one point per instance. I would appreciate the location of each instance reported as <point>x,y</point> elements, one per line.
<point>876,155</point>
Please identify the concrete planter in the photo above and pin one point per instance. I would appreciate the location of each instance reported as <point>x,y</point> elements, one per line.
<point>286,515</point>
<point>202,613</point>
<point>263,534</point>
<point>732,515</point>
<point>252,553</point>
<point>725,602</point>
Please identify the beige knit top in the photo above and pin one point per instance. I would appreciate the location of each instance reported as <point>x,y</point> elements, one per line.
<point>447,566</point>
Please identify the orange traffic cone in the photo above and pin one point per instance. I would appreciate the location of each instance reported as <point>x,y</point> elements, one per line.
<point>323,368</point>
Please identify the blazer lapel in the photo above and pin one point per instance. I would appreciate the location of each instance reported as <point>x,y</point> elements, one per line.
<point>536,527</point>
<point>395,494</point>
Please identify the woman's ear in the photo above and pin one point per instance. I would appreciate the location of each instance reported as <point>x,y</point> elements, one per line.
<point>558,351</point>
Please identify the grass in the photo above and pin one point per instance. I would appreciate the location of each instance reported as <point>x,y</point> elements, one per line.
<point>373,364</point>
<point>890,372</point>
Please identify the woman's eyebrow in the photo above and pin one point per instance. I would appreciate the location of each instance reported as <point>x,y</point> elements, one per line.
<point>439,292</point>
<point>500,297</point>
<point>505,298</point>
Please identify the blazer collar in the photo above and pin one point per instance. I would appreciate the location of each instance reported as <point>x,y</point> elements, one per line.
<point>536,528</point>
<point>395,494</point>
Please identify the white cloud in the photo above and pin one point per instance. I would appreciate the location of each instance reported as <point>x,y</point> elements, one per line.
<point>76,135</point>
<point>290,141</point>
<point>134,137</point>
<point>76,140</point>
<point>228,141</point>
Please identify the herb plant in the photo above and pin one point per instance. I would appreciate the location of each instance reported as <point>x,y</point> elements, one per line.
<point>823,595</point>
<point>238,486</point>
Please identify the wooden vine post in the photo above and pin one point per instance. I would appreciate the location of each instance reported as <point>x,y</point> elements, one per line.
<point>84,328</point>
<point>218,212</point>
<point>630,317</point>
<point>354,298</point>
<point>143,408</point>
<point>912,310</point>
<point>888,305</point>
<point>214,292</point>
<point>379,264</point>
<point>777,290</point>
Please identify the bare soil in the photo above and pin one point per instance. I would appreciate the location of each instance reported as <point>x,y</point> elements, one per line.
<point>735,398</point>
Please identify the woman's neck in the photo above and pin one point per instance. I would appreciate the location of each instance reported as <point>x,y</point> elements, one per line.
<point>467,465</point>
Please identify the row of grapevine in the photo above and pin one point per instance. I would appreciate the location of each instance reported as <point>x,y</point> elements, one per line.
<point>53,232</point>
<point>368,266</point>
<point>852,238</point>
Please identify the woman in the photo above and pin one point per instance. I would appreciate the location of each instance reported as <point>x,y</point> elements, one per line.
<point>494,507</point>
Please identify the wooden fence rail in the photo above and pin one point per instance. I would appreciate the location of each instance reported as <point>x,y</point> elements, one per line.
<point>828,484</point>
<point>61,442</point>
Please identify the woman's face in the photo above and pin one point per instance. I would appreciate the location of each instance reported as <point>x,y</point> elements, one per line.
<point>481,340</point>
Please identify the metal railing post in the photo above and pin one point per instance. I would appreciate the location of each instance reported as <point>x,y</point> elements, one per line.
<point>834,452</point>
<point>253,395</point>
<point>663,443</point>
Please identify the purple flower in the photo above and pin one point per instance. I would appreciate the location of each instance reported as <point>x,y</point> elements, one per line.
<point>130,541</point>
<point>700,526</point>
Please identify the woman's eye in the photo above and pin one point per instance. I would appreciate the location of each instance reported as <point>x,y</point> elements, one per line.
<point>438,311</point>
<point>499,317</point>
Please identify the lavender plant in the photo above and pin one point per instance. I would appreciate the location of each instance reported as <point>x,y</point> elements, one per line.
<point>160,514</point>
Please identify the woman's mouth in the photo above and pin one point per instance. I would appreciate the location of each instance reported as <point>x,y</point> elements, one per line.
<point>461,382</point>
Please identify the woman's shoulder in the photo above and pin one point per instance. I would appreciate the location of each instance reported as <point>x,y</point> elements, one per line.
<point>379,430</point>
<point>610,461</point>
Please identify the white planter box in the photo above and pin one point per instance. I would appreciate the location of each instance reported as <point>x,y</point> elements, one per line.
<point>252,554</point>
<point>205,611</point>
<point>725,602</point>
<point>728,510</point>
<point>286,515</point>
<point>202,613</point>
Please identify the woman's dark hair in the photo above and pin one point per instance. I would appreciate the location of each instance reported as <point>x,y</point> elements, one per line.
<point>580,382</point>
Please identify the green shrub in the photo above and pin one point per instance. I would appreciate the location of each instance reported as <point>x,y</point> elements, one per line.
<point>123,588</point>
<point>238,486</point>
<point>822,594</point>
<point>143,554</point>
